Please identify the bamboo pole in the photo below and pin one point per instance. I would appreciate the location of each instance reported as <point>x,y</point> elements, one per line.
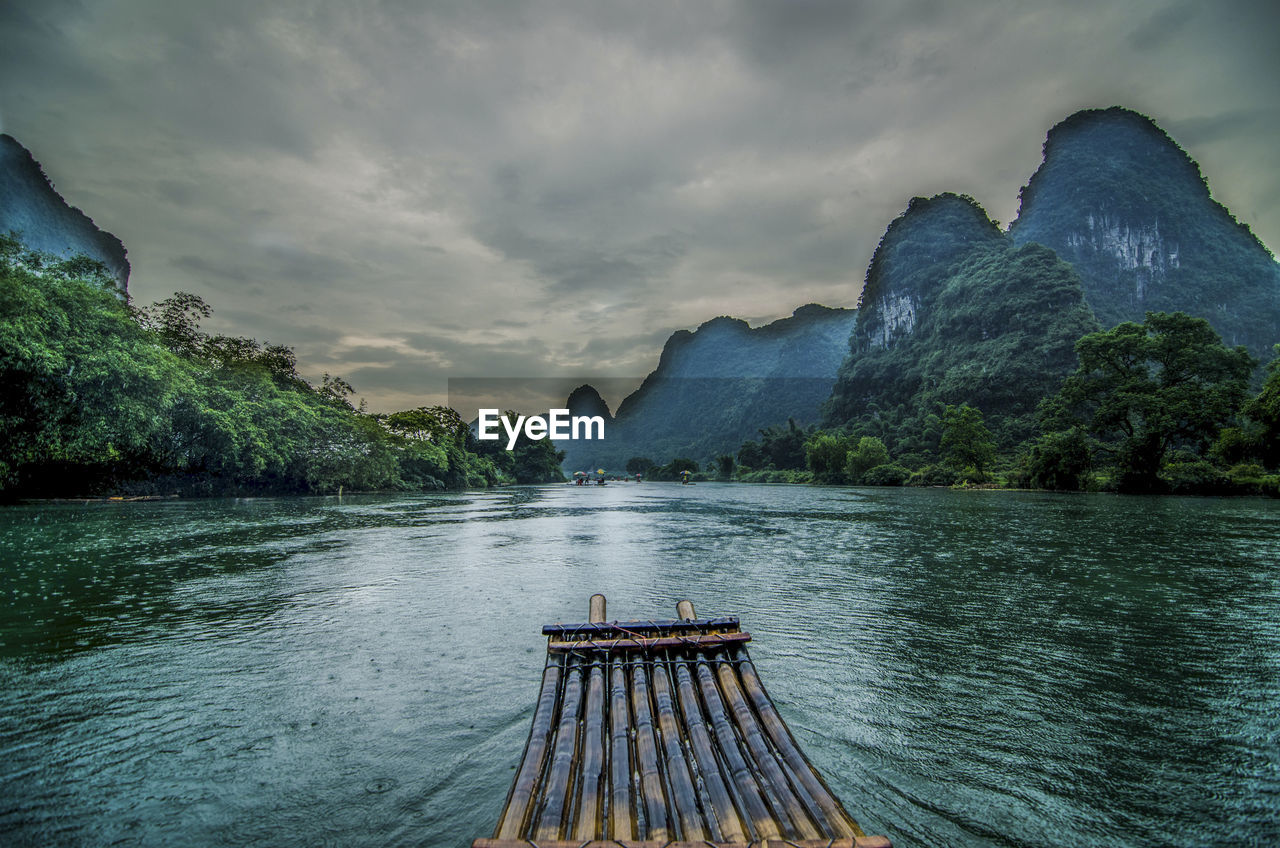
<point>655,807</point>
<point>591,758</point>
<point>512,823</point>
<point>731,825</point>
<point>682,791</point>
<point>555,793</point>
<point>621,818</point>
<point>774,785</point>
<point>744,779</point>
<point>597,608</point>
<point>838,819</point>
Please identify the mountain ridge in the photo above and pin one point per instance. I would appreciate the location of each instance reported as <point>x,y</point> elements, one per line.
<point>720,383</point>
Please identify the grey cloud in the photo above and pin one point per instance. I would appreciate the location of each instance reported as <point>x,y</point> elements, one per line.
<point>573,266</point>
<point>502,187</point>
<point>1161,25</point>
<point>201,266</point>
<point>609,345</point>
<point>177,192</point>
<point>1225,125</point>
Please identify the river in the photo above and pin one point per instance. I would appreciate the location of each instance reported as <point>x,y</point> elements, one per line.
<point>964,668</point>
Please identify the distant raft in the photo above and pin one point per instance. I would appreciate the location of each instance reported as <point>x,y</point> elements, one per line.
<point>659,734</point>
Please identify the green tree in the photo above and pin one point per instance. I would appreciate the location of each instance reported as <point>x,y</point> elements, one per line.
<point>95,396</point>
<point>176,321</point>
<point>671,471</point>
<point>437,424</point>
<point>537,462</point>
<point>783,447</point>
<point>533,460</point>
<point>824,454</point>
<point>870,453</point>
<point>966,441</point>
<point>1144,389</point>
<point>1060,460</point>
<point>84,391</point>
<point>640,465</point>
<point>751,456</point>
<point>724,466</point>
<point>336,390</point>
<point>1264,410</point>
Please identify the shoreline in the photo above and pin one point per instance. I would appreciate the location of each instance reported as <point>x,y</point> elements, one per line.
<point>123,499</point>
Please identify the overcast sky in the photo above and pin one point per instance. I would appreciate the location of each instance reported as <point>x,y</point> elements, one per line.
<point>409,191</point>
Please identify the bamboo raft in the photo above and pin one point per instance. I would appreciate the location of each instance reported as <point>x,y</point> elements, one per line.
<point>659,734</point>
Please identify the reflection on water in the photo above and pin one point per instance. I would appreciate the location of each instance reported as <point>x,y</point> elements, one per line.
<point>964,668</point>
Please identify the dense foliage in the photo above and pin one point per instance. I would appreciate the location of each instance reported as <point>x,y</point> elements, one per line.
<point>97,397</point>
<point>1144,390</point>
<point>966,442</point>
<point>1161,406</point>
<point>954,314</point>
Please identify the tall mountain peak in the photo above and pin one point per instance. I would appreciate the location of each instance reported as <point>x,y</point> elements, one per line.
<point>585,400</point>
<point>910,264</point>
<point>1130,209</point>
<point>952,312</point>
<point>44,221</point>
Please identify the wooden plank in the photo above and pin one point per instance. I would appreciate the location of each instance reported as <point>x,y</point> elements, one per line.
<point>652,644</point>
<point>596,609</point>
<point>559,779</point>
<point>683,795</point>
<point>516,810</point>
<point>655,805</point>
<point>769,824</point>
<point>838,819</point>
<point>622,823</point>
<point>661,732</point>
<point>731,826</point>
<point>591,759</point>
<point>773,782</point>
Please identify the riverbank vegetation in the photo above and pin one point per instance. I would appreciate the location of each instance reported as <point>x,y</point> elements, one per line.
<point>1161,406</point>
<point>97,396</point>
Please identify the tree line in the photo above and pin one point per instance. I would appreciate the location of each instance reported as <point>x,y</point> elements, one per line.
<point>1161,406</point>
<point>98,396</point>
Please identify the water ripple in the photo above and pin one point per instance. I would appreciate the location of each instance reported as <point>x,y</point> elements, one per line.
<point>965,668</point>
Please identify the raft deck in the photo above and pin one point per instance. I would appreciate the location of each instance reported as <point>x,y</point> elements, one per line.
<point>660,734</point>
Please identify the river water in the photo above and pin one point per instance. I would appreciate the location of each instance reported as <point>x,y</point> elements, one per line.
<point>964,668</point>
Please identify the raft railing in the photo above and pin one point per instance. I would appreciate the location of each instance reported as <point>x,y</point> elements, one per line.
<point>659,734</point>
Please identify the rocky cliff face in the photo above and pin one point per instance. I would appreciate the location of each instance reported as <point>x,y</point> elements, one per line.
<point>30,206</point>
<point>910,266</point>
<point>720,384</point>
<point>1117,198</point>
<point>953,312</point>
